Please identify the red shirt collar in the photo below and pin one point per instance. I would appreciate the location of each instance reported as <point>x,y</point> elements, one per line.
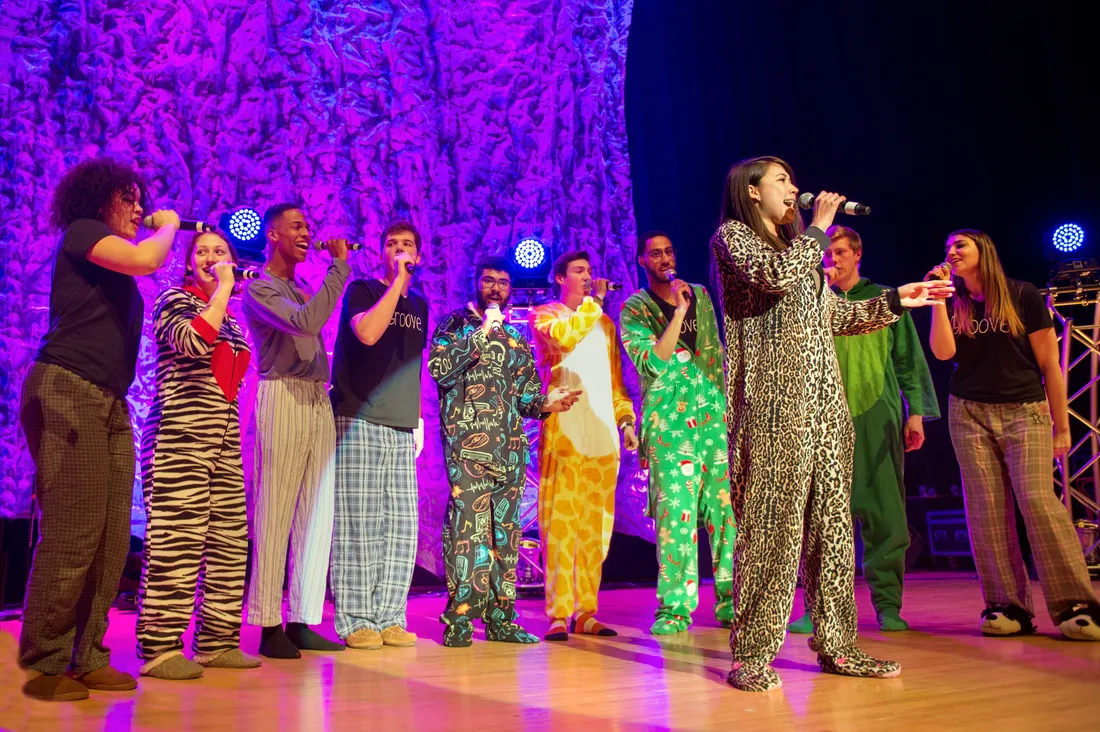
<point>197,292</point>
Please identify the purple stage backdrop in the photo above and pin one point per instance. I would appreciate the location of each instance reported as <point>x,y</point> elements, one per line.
<point>481,122</point>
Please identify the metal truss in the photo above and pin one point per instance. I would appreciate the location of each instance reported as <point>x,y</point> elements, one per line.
<point>1079,347</point>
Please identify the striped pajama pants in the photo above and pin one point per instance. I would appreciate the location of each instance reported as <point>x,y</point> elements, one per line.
<point>375,531</point>
<point>82,445</point>
<point>1006,456</point>
<point>193,487</point>
<point>295,446</point>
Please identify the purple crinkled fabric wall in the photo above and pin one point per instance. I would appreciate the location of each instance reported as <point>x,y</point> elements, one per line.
<point>481,122</point>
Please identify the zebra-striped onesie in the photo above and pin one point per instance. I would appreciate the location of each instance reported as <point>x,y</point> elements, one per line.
<point>193,482</point>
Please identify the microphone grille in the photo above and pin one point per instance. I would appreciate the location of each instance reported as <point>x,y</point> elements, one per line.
<point>806,200</point>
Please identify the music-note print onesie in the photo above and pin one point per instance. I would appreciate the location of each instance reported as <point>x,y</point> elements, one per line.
<point>487,385</point>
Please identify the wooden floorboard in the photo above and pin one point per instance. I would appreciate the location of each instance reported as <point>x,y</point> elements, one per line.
<point>953,679</point>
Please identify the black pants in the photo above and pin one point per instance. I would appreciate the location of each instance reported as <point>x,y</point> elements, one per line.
<point>82,445</point>
<point>481,541</point>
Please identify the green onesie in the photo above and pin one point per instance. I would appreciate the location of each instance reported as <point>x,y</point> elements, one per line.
<point>683,441</point>
<point>878,369</point>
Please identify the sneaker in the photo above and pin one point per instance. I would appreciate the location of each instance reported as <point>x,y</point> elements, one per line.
<point>1081,622</point>
<point>364,639</point>
<point>54,687</point>
<point>508,632</point>
<point>857,663</point>
<point>1006,620</point>
<point>398,637</point>
<point>754,677</point>
<point>459,635</point>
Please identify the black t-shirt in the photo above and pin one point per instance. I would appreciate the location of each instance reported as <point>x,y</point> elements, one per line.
<point>995,368</point>
<point>380,383</point>
<point>691,323</point>
<point>95,313</point>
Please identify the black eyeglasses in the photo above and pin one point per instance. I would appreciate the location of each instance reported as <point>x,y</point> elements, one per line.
<point>489,283</point>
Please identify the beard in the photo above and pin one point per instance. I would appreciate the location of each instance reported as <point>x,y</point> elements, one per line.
<point>483,302</point>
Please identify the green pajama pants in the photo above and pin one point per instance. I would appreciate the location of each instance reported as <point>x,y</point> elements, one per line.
<point>689,488</point>
<point>878,502</point>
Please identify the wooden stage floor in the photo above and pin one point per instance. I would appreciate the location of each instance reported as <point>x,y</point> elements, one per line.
<point>952,679</point>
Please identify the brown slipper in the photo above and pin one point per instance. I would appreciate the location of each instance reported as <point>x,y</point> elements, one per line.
<point>55,687</point>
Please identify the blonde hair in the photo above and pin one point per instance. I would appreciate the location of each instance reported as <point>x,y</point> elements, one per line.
<point>837,232</point>
<point>999,309</point>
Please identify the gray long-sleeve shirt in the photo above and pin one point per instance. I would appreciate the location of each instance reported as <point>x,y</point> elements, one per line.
<point>286,326</point>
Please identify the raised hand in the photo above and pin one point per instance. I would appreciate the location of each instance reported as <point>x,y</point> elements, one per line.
<point>165,217</point>
<point>939,272</point>
<point>681,294</point>
<point>223,272</point>
<point>825,206</point>
<point>338,248</point>
<point>919,294</point>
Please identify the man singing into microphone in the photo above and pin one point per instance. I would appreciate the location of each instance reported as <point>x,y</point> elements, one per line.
<point>376,400</point>
<point>295,436</point>
<point>671,334</point>
<point>577,348</point>
<point>487,386</point>
<point>879,371</point>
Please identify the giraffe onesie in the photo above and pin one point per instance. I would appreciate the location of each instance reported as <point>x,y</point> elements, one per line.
<point>578,451</point>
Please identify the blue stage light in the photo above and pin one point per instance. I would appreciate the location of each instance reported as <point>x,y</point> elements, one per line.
<point>530,254</point>
<point>1068,238</point>
<point>244,224</point>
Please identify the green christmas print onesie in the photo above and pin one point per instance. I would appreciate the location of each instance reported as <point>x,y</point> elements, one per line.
<point>684,445</point>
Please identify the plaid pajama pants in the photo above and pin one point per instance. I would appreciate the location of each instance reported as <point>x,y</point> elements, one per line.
<point>82,445</point>
<point>375,531</point>
<point>1005,452</point>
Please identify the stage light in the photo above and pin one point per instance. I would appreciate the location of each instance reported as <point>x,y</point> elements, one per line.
<point>244,224</point>
<point>529,254</point>
<point>244,227</point>
<point>1068,238</point>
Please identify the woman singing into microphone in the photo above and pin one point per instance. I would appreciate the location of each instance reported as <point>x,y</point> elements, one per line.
<point>77,424</point>
<point>1006,388</point>
<point>193,482</point>
<point>790,433</point>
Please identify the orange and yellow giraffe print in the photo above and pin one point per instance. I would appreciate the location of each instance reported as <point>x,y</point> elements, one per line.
<point>578,451</point>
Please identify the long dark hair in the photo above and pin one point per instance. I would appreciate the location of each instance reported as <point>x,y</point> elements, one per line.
<point>738,206</point>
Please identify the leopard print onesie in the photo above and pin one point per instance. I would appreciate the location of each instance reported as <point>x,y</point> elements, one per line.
<point>791,441</point>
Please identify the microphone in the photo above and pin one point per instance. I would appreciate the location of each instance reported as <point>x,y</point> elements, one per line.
<point>185,225</point>
<point>494,306</point>
<point>945,265</point>
<point>352,247</point>
<point>611,286</point>
<point>240,273</point>
<point>246,274</point>
<point>806,200</point>
<point>671,274</point>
